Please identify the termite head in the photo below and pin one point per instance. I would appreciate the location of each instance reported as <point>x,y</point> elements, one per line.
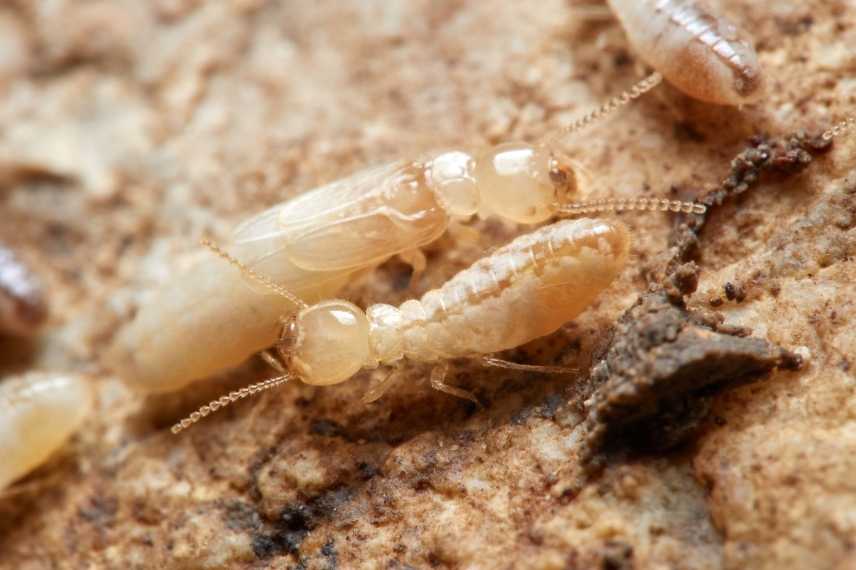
<point>524,182</point>
<point>520,182</point>
<point>325,343</point>
<point>330,342</point>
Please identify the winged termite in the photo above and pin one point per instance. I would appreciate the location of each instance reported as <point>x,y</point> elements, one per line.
<point>208,319</point>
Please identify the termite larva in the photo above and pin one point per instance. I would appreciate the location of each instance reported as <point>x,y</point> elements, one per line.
<point>700,53</point>
<point>38,413</point>
<point>524,290</point>
<point>208,319</point>
<point>22,305</point>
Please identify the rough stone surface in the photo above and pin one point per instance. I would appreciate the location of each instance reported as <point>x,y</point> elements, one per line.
<point>130,129</point>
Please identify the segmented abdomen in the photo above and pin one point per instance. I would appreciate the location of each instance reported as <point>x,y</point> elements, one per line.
<point>523,291</point>
<point>703,54</point>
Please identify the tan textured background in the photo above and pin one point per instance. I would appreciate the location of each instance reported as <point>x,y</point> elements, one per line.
<point>130,129</point>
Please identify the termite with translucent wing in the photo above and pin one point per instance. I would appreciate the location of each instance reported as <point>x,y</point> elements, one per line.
<point>524,290</point>
<point>38,413</point>
<point>698,51</point>
<point>521,292</point>
<point>207,319</point>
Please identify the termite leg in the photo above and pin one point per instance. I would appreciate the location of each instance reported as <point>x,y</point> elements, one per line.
<point>438,377</point>
<point>500,363</point>
<point>378,389</point>
<point>463,234</point>
<point>591,13</point>
<point>273,361</point>
<point>415,259</point>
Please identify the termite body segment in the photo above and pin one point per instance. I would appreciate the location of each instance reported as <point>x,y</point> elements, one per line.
<point>23,309</point>
<point>209,318</point>
<point>521,292</point>
<point>702,54</point>
<point>38,413</point>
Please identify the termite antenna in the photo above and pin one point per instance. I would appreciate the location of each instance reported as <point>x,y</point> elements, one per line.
<point>266,281</point>
<point>839,128</point>
<point>607,108</point>
<point>587,208</point>
<point>227,399</point>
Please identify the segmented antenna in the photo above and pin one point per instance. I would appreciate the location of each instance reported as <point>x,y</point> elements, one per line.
<point>586,208</point>
<point>227,399</point>
<point>839,128</point>
<point>615,103</point>
<point>266,281</point>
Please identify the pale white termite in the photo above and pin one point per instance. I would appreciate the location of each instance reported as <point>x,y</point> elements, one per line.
<point>524,290</point>
<point>23,309</point>
<point>699,52</point>
<point>38,413</point>
<point>207,319</point>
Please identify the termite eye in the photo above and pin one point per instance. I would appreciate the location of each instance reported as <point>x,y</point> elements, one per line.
<point>566,180</point>
<point>332,342</point>
<point>515,182</point>
<point>451,176</point>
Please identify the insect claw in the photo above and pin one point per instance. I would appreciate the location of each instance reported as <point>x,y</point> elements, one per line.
<point>378,389</point>
<point>438,377</point>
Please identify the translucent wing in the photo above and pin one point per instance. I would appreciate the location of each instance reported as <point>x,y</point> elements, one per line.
<point>364,240</point>
<point>307,210</point>
<point>348,224</point>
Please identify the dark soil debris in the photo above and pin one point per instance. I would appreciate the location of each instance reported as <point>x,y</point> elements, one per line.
<point>777,158</point>
<point>296,521</point>
<point>654,383</point>
<point>663,365</point>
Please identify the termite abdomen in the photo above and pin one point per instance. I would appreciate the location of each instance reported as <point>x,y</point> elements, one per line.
<point>703,54</point>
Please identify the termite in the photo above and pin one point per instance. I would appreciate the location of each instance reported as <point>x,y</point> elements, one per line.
<point>208,319</point>
<point>23,309</point>
<point>699,52</point>
<point>38,413</point>
<point>523,291</point>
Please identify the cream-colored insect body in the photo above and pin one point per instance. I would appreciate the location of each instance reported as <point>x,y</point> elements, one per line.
<point>38,413</point>
<point>523,291</point>
<point>23,309</point>
<point>207,319</point>
<point>702,54</point>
